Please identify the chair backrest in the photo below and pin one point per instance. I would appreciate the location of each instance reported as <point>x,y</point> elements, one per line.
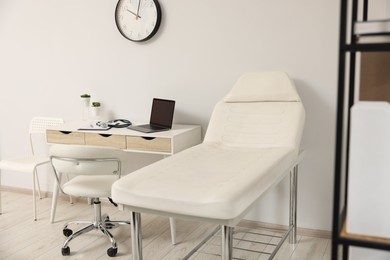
<point>86,160</point>
<point>38,125</point>
<point>263,109</point>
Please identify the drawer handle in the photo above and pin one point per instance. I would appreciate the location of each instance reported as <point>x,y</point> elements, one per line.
<point>66,132</point>
<point>105,135</point>
<point>148,138</point>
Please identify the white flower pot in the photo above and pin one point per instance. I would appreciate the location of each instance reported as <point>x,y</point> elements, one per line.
<point>95,111</point>
<point>85,102</point>
<point>84,108</point>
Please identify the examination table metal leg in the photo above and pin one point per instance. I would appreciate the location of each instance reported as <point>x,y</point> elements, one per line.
<point>227,242</point>
<point>293,205</point>
<point>136,235</point>
<point>172,223</point>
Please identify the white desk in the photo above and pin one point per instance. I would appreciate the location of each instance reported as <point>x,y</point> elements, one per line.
<point>180,137</point>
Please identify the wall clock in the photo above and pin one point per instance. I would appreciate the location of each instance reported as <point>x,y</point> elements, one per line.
<point>138,20</point>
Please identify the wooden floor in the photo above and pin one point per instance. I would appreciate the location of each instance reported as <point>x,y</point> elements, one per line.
<point>22,238</point>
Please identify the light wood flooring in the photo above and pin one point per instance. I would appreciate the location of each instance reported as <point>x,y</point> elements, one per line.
<point>22,238</point>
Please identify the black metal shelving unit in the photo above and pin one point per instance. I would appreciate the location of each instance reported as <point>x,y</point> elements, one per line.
<point>348,48</point>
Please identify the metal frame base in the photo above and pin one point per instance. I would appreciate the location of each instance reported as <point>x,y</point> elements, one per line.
<point>100,223</point>
<point>254,241</point>
<point>229,236</point>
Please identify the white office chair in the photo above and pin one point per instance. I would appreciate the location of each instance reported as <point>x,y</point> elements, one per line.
<point>30,163</point>
<point>94,170</point>
<point>252,143</point>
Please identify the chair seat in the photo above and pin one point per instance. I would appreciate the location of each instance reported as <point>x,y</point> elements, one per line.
<point>91,186</point>
<point>26,164</point>
<point>209,181</point>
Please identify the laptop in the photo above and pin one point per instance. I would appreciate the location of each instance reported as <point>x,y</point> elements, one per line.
<point>161,117</point>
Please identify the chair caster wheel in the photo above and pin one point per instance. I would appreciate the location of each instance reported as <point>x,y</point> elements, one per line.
<point>112,251</point>
<point>108,225</point>
<point>65,251</point>
<point>67,232</point>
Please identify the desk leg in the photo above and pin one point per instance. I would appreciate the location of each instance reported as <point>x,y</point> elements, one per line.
<point>136,235</point>
<point>227,242</point>
<point>293,205</point>
<point>172,223</point>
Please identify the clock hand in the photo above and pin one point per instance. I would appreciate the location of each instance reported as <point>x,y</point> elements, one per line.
<point>136,15</point>
<point>139,3</point>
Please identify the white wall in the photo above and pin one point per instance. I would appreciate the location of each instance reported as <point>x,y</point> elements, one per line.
<point>52,51</point>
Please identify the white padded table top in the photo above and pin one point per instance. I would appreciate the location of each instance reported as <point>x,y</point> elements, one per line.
<point>207,181</point>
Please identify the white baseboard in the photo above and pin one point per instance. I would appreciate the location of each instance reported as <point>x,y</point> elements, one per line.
<point>44,194</point>
<point>244,223</point>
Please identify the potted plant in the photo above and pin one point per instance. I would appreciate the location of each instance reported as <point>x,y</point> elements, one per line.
<point>85,98</point>
<point>96,108</point>
<point>95,104</point>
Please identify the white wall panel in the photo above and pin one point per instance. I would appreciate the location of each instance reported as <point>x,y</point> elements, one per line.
<point>54,50</point>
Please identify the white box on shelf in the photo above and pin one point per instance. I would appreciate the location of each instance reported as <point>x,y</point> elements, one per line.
<point>368,209</point>
<point>359,253</point>
<point>372,27</point>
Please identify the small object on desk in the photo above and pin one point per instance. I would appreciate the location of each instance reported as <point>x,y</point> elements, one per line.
<point>119,123</point>
<point>161,117</point>
<point>85,99</point>
<point>96,110</point>
<point>96,126</point>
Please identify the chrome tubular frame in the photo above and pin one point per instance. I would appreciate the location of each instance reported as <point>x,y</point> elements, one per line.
<point>227,242</point>
<point>1,210</point>
<point>57,175</point>
<point>136,235</point>
<point>293,205</point>
<point>98,223</point>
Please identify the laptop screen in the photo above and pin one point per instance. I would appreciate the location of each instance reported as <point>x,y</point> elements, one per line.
<point>162,112</point>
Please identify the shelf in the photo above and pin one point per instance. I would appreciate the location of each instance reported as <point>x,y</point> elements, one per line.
<point>360,47</point>
<point>372,39</point>
<point>364,240</point>
<point>365,36</point>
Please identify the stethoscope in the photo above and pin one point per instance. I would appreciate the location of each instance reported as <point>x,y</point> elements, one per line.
<point>116,123</point>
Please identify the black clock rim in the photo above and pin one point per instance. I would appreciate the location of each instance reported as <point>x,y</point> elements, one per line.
<point>155,29</point>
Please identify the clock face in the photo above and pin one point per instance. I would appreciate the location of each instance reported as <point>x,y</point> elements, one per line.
<point>138,20</point>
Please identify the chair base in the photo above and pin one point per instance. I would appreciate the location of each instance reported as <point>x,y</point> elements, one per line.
<point>100,223</point>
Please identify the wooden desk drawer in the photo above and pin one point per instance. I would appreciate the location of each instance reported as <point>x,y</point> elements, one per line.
<point>148,144</point>
<point>116,141</point>
<point>64,137</point>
